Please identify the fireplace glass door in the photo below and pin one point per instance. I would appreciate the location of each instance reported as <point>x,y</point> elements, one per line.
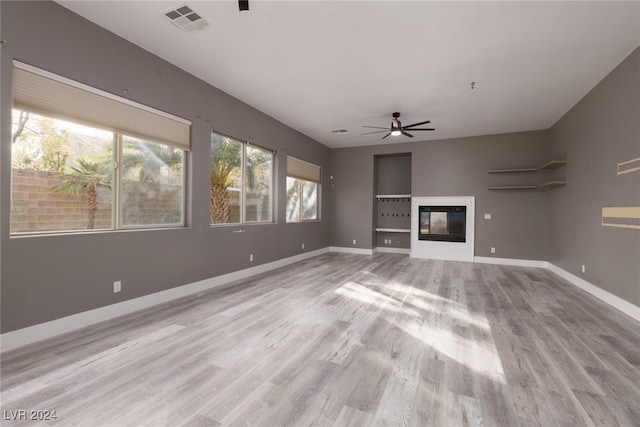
<point>442,223</point>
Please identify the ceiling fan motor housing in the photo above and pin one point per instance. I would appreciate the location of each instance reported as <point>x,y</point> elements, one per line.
<point>395,123</point>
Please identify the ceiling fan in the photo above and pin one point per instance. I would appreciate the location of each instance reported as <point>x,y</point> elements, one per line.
<point>397,128</point>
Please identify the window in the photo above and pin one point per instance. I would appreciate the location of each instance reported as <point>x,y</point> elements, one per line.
<point>77,165</point>
<point>303,182</point>
<point>152,189</point>
<point>241,187</point>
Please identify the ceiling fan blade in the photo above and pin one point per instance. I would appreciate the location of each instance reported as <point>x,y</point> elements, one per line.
<point>376,127</point>
<point>386,135</point>
<point>416,124</point>
<point>421,129</point>
<point>407,134</point>
<point>378,131</point>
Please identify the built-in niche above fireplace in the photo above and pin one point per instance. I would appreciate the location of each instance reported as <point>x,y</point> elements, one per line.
<point>443,228</point>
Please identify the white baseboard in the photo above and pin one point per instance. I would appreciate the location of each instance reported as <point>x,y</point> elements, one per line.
<point>389,250</point>
<point>511,261</point>
<point>624,306</point>
<point>32,334</point>
<point>359,251</point>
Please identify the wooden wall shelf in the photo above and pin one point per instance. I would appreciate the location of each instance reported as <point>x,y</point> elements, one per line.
<point>515,187</point>
<point>522,170</point>
<point>393,196</point>
<point>551,184</point>
<point>393,230</point>
<point>553,164</point>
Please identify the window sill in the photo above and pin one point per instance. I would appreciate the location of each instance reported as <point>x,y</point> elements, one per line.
<point>248,224</point>
<point>24,235</point>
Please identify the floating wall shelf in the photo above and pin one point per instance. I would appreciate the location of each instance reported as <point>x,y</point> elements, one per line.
<point>515,187</point>
<point>551,184</point>
<point>393,196</point>
<point>553,164</point>
<point>393,230</point>
<point>522,170</point>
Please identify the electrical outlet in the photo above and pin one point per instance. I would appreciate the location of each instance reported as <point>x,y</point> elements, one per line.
<point>354,241</point>
<point>493,250</point>
<point>487,216</point>
<point>584,270</point>
<point>117,286</point>
<point>303,246</point>
<point>250,257</point>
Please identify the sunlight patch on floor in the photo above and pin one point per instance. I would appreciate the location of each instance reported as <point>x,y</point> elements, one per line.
<point>481,357</point>
<point>369,296</point>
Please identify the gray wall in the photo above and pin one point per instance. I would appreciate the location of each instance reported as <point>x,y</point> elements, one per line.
<point>600,131</point>
<point>454,167</point>
<point>393,174</point>
<point>48,277</point>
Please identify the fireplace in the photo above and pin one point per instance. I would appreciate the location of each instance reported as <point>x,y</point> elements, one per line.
<point>443,227</point>
<point>442,223</point>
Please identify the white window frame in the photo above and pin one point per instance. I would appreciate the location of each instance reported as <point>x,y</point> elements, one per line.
<point>305,172</point>
<point>118,180</point>
<point>243,190</point>
<point>30,100</point>
<point>116,193</point>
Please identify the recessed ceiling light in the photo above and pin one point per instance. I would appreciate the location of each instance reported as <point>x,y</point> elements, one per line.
<point>186,18</point>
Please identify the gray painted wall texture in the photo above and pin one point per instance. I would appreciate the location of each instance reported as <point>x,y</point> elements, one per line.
<point>49,277</point>
<point>455,167</point>
<point>600,131</point>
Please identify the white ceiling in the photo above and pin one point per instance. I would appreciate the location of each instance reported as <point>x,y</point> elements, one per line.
<point>322,65</point>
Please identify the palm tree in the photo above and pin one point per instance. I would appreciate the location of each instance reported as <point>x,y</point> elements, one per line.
<point>87,176</point>
<point>226,168</point>
<point>225,162</point>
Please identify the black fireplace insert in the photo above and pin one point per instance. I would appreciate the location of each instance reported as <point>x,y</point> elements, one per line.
<point>442,223</point>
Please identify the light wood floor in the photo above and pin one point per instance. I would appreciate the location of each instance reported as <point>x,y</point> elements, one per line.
<point>347,340</point>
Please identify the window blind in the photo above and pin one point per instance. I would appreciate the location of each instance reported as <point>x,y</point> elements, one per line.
<point>45,93</point>
<point>297,168</point>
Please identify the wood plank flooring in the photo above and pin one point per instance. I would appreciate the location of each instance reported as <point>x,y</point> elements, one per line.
<point>346,340</point>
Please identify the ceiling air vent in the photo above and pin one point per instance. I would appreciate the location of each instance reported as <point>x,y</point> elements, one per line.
<point>339,131</point>
<point>185,18</point>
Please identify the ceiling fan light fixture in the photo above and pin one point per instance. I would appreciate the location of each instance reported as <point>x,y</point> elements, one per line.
<point>397,129</point>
